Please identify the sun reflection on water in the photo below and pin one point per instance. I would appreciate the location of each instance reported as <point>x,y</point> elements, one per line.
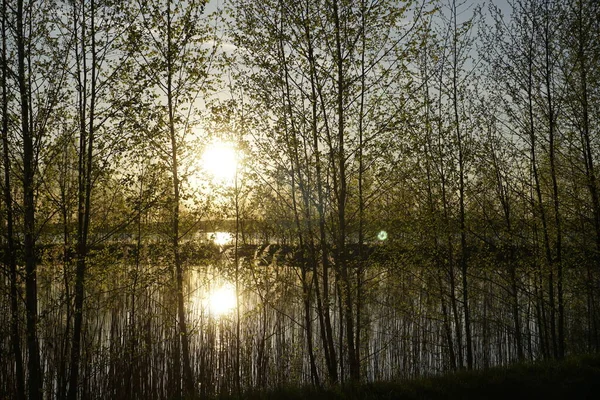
<point>220,238</point>
<point>211,296</point>
<point>222,300</point>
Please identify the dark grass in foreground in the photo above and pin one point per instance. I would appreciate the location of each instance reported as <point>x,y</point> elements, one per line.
<point>575,378</point>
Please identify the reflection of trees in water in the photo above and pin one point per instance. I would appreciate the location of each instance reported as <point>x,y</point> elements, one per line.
<point>128,328</point>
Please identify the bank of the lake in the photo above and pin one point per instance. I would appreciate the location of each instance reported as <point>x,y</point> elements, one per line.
<point>574,378</point>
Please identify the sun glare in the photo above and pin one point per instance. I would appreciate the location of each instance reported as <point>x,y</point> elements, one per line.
<point>220,238</point>
<point>222,300</point>
<point>220,161</point>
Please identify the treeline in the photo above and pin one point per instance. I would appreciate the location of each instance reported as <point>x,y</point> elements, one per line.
<point>419,181</point>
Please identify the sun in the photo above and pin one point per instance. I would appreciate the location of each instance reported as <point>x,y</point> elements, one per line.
<point>220,161</point>
<point>222,300</point>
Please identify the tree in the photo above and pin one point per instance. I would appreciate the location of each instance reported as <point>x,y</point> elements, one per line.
<point>528,73</point>
<point>10,258</point>
<point>330,78</point>
<point>96,29</point>
<point>174,66</point>
<point>37,100</point>
<point>580,50</point>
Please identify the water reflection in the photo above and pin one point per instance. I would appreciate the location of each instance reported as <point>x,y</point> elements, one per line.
<point>131,324</point>
<point>221,300</point>
<point>220,238</point>
<point>212,295</point>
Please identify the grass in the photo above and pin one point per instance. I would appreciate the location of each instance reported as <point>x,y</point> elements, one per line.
<point>574,378</point>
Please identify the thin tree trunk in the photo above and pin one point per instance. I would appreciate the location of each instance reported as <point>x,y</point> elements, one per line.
<point>35,378</point>
<point>429,156</point>
<point>461,193</point>
<point>10,254</point>
<point>324,304</point>
<point>183,335</point>
<point>236,260</point>
<point>538,191</point>
<point>590,168</point>
<point>297,180</point>
<point>503,196</point>
<point>63,376</point>
<point>361,203</point>
<point>86,150</point>
<point>560,347</point>
<point>342,193</point>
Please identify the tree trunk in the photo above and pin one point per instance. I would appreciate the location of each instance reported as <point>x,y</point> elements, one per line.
<point>10,254</point>
<point>342,193</point>
<point>35,378</point>
<point>560,347</point>
<point>183,336</point>
<point>461,193</point>
<point>323,304</point>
